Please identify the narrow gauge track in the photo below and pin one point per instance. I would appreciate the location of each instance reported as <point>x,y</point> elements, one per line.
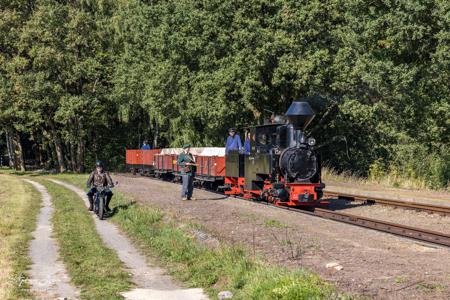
<point>443,210</point>
<point>414,233</point>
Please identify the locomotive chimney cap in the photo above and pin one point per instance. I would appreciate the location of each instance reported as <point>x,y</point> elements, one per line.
<point>300,114</point>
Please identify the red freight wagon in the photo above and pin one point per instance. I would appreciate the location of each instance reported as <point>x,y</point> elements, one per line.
<point>148,156</point>
<point>141,160</point>
<point>168,162</point>
<point>176,167</point>
<point>165,163</point>
<point>210,168</point>
<point>158,163</point>
<point>134,158</point>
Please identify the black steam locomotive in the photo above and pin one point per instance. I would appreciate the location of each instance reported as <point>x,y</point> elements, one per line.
<point>282,166</point>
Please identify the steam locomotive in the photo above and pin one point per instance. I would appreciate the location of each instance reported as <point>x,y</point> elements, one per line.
<point>282,167</point>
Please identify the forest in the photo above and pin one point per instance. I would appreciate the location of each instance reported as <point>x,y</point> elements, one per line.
<point>85,79</point>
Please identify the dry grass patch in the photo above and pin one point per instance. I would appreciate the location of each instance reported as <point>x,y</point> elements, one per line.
<point>384,180</point>
<point>19,204</point>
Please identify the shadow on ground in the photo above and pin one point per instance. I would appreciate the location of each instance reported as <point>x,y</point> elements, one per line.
<point>118,208</point>
<point>343,204</point>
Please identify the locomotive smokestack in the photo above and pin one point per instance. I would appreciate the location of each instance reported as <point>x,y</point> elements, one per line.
<point>300,114</point>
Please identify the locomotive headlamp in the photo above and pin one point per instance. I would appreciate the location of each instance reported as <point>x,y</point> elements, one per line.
<point>311,141</point>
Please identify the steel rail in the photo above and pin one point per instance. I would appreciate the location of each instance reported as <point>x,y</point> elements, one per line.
<point>391,202</point>
<point>424,235</point>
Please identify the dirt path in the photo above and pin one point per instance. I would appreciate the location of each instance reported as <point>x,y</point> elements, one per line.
<point>151,281</point>
<point>49,279</point>
<point>375,264</point>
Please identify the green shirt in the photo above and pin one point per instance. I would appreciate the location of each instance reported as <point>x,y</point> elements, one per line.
<point>184,158</point>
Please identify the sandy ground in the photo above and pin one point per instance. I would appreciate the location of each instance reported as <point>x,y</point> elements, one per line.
<point>374,264</point>
<point>48,278</point>
<point>151,281</point>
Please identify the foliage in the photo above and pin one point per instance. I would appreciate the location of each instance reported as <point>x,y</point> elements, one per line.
<point>83,79</point>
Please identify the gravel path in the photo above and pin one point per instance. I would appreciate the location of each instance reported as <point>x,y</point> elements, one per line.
<point>151,281</point>
<point>48,278</point>
<point>375,264</point>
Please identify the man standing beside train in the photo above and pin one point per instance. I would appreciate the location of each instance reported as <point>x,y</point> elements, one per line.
<point>188,168</point>
<point>233,141</point>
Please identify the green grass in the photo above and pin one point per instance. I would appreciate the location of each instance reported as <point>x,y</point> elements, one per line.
<point>224,268</point>
<point>20,205</point>
<point>274,223</point>
<point>93,267</point>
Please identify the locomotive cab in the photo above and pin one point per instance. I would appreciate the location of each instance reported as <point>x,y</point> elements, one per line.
<point>259,164</point>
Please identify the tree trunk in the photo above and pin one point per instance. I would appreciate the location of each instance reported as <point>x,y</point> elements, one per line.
<point>18,152</point>
<point>41,154</point>
<point>49,151</point>
<point>37,150</point>
<point>58,147</point>
<point>81,149</point>
<point>59,152</point>
<point>80,158</point>
<point>73,158</point>
<point>155,135</point>
<point>10,150</point>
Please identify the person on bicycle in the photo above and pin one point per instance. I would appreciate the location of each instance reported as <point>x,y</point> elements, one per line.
<point>97,178</point>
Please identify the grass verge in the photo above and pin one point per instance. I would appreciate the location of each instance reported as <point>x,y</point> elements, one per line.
<point>222,268</point>
<point>19,204</point>
<point>94,268</point>
<point>390,180</point>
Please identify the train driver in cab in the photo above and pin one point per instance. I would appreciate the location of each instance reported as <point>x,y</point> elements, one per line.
<point>233,141</point>
<point>247,142</point>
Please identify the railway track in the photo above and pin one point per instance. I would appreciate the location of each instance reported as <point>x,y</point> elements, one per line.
<point>423,235</point>
<point>413,233</point>
<point>443,210</point>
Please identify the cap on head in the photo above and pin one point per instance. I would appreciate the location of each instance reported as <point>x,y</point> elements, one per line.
<point>231,129</point>
<point>99,163</point>
<point>185,146</point>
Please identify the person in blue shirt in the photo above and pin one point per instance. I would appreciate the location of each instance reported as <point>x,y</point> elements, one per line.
<point>247,142</point>
<point>233,141</point>
<point>145,146</point>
